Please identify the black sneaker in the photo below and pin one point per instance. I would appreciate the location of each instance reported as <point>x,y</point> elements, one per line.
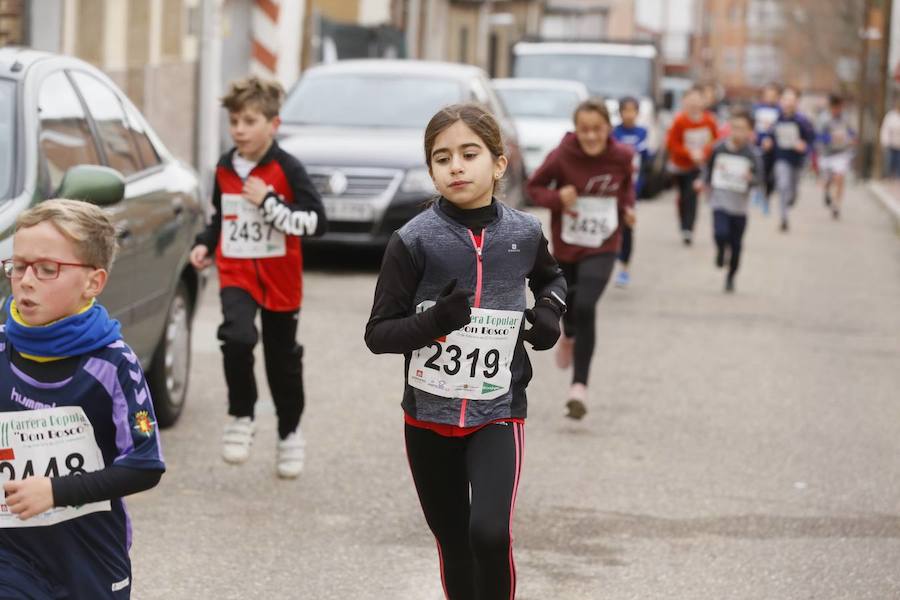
<point>729,285</point>
<point>576,409</point>
<point>784,225</point>
<point>720,258</point>
<point>827,198</point>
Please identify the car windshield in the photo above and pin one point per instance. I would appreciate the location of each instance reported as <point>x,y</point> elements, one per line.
<point>354,100</point>
<point>609,76</point>
<point>539,102</point>
<point>7,122</point>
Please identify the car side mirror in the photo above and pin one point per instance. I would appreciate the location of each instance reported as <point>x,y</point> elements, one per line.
<point>93,183</point>
<point>668,100</point>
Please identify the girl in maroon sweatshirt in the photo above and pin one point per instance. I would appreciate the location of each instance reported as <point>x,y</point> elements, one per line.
<point>586,183</point>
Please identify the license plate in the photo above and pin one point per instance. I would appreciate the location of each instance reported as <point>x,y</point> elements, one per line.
<point>348,210</point>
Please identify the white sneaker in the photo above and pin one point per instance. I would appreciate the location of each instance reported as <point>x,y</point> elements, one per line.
<point>236,440</point>
<point>291,452</point>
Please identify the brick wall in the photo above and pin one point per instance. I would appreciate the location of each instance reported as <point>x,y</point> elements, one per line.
<point>12,22</point>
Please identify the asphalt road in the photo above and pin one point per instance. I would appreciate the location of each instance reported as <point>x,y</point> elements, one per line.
<point>740,446</point>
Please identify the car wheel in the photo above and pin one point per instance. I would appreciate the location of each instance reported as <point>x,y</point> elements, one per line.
<point>171,364</point>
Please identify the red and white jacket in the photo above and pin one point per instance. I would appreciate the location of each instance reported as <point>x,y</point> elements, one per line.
<point>293,207</point>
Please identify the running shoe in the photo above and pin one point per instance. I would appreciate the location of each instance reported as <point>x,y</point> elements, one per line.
<point>720,257</point>
<point>729,284</point>
<point>237,439</point>
<point>835,214</point>
<point>291,454</point>
<point>623,279</point>
<point>784,225</point>
<point>827,198</point>
<point>565,348</point>
<point>757,197</point>
<point>686,237</point>
<point>575,407</point>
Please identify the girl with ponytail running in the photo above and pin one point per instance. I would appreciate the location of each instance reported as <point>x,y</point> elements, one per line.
<point>451,297</point>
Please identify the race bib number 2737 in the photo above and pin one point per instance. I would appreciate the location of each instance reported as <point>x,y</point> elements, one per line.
<point>51,442</point>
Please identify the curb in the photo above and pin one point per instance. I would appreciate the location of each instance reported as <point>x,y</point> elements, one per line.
<point>888,200</point>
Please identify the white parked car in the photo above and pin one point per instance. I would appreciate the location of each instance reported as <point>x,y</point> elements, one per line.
<point>542,110</point>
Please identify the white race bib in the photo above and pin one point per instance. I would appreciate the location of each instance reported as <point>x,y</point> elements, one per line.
<point>592,220</point>
<point>765,117</point>
<point>787,134</point>
<point>472,362</point>
<point>50,442</point>
<point>731,173</point>
<point>244,232</point>
<point>697,138</point>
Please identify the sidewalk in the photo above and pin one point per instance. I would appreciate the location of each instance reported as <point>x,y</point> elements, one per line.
<point>887,191</point>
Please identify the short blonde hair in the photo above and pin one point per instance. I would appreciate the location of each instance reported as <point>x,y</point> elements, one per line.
<point>82,223</point>
<point>265,95</point>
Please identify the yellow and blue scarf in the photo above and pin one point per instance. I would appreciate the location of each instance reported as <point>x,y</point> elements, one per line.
<point>85,331</point>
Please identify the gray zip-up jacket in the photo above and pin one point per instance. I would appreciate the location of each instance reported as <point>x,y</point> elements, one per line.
<point>430,251</point>
<point>733,202</point>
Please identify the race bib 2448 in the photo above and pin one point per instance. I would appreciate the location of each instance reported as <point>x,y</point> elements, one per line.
<point>50,442</point>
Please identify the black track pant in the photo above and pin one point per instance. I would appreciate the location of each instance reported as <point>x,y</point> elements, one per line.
<point>627,244</point>
<point>283,355</point>
<point>586,280</point>
<point>467,488</point>
<point>687,199</point>
<point>769,172</point>
<point>729,233</point>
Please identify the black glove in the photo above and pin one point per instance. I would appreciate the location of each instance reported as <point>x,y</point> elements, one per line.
<point>544,331</point>
<point>452,310</point>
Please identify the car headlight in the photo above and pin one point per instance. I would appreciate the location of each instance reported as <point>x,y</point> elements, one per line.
<point>418,181</point>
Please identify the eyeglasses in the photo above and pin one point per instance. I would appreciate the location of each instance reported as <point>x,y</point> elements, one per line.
<point>43,270</point>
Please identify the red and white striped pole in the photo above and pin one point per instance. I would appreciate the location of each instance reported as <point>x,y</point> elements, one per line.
<point>264,59</point>
<point>277,31</point>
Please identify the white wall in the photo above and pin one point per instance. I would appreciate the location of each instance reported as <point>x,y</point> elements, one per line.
<point>374,12</point>
<point>46,22</point>
<point>674,19</point>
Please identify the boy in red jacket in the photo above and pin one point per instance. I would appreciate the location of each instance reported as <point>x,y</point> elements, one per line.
<point>690,142</point>
<point>264,203</point>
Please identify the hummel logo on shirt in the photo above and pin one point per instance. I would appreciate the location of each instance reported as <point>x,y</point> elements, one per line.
<point>513,248</point>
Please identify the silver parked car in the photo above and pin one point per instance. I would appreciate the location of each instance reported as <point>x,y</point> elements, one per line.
<point>66,130</point>
<point>358,128</point>
<point>542,110</point>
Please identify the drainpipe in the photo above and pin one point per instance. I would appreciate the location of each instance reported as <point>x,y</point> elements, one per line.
<point>209,81</point>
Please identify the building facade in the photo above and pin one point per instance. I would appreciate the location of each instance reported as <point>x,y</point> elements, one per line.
<point>744,44</point>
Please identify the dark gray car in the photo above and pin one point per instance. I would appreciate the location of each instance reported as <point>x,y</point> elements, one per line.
<point>67,131</point>
<point>358,128</point>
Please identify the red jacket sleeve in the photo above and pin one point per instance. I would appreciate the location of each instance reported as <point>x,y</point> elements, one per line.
<point>542,177</point>
<point>675,143</point>
<point>713,138</point>
<point>626,192</point>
